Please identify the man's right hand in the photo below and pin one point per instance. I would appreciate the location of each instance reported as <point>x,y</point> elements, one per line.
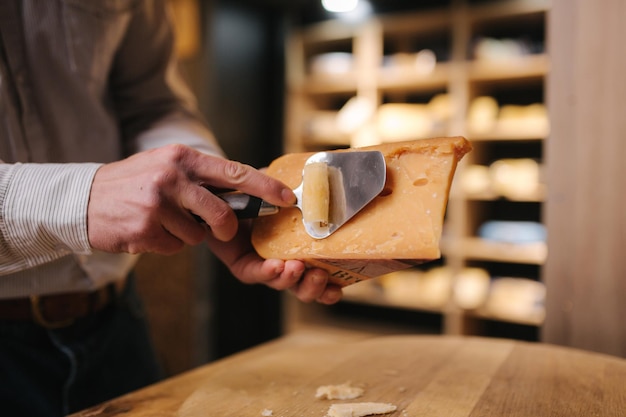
<point>145,203</point>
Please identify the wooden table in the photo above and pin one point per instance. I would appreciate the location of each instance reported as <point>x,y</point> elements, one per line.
<point>422,375</point>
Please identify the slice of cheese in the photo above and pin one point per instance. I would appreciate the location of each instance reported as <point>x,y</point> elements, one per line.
<point>360,409</point>
<point>400,228</point>
<point>315,193</point>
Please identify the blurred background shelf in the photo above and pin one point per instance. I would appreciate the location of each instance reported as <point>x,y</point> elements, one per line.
<point>326,84</point>
<point>481,249</point>
<point>537,196</point>
<point>406,79</point>
<point>526,134</point>
<point>432,66</point>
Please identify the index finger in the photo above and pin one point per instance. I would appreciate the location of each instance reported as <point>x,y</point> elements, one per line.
<point>224,173</point>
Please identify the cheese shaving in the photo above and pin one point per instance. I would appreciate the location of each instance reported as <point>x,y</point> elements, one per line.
<point>360,409</point>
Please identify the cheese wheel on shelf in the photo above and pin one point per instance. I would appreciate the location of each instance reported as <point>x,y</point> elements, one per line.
<point>400,228</point>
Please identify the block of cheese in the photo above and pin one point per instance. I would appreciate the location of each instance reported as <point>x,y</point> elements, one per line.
<point>400,228</point>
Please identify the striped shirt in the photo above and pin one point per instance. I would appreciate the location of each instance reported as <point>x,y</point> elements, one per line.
<point>82,83</point>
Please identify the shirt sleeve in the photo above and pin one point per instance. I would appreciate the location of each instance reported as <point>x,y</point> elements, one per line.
<point>43,207</point>
<point>43,213</point>
<point>153,102</point>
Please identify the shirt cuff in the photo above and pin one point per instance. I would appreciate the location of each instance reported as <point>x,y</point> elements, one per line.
<point>44,210</point>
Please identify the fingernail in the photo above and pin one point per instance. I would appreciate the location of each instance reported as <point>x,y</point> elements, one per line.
<point>279,268</point>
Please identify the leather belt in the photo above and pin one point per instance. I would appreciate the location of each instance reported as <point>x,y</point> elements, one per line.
<point>58,310</point>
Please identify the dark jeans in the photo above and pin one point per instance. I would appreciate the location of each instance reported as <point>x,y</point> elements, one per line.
<point>51,373</point>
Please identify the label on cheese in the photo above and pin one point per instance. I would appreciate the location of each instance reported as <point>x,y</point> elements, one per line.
<point>350,271</point>
<point>399,228</point>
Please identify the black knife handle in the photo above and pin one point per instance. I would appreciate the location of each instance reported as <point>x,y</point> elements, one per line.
<point>248,206</point>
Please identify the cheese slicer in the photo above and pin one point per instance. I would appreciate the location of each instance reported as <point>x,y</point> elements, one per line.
<point>335,186</point>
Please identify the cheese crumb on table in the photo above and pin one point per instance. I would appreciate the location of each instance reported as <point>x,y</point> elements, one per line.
<point>267,413</point>
<point>360,409</point>
<point>339,392</point>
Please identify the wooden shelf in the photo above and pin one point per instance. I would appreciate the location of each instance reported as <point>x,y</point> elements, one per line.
<point>373,295</point>
<point>402,78</point>
<point>412,23</point>
<point>326,84</point>
<point>337,141</point>
<point>481,249</point>
<point>379,299</point>
<point>394,39</point>
<point>520,68</point>
<point>509,135</point>
<point>509,9</point>
<point>534,320</point>
<point>331,31</point>
<point>536,197</point>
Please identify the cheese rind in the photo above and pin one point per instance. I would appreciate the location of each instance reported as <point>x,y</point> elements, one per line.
<point>401,227</point>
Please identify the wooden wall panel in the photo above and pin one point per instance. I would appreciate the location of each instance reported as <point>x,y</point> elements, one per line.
<point>585,272</point>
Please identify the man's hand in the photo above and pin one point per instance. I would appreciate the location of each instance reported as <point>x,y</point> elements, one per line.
<point>146,203</point>
<point>306,284</point>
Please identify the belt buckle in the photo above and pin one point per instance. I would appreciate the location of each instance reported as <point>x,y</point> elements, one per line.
<point>39,317</point>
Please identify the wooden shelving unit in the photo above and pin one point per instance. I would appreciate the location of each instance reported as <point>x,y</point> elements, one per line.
<point>379,48</point>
